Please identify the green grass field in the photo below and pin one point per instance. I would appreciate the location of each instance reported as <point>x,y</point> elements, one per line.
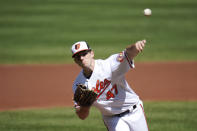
<point>161,116</point>
<point>42,31</point>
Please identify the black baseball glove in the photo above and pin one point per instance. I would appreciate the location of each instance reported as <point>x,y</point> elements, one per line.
<point>83,96</point>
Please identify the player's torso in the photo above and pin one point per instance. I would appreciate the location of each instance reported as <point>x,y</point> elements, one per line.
<point>114,95</point>
<point>101,80</point>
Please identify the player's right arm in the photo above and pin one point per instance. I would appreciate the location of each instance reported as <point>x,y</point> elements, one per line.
<point>122,62</point>
<point>82,112</point>
<point>134,49</point>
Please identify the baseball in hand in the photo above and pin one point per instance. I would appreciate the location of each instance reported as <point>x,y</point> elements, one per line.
<point>147,12</point>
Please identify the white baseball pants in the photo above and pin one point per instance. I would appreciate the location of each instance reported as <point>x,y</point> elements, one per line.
<point>133,121</point>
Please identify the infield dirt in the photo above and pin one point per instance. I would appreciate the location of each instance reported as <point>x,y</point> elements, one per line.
<point>27,86</point>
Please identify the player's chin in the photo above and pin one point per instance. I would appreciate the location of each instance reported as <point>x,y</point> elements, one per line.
<point>82,65</point>
<point>85,66</point>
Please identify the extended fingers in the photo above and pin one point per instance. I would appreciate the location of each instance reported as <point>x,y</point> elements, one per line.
<point>140,45</point>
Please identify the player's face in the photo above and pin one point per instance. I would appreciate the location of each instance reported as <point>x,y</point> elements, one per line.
<point>84,58</point>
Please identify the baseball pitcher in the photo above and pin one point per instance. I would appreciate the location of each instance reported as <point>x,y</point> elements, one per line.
<point>101,83</point>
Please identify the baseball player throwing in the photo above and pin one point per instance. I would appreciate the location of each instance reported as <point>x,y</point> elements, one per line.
<point>101,83</point>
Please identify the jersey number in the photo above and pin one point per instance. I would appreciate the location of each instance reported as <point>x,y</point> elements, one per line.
<point>112,92</point>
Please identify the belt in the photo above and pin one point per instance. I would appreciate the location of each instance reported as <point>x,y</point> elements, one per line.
<point>126,112</point>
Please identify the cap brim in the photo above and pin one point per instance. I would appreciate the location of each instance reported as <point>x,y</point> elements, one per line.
<point>79,51</point>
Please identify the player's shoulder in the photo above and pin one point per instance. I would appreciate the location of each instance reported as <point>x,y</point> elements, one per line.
<point>80,79</point>
<point>111,60</point>
<point>118,57</point>
<point>108,59</point>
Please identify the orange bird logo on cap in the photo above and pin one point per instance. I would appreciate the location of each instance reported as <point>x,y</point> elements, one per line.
<point>77,46</point>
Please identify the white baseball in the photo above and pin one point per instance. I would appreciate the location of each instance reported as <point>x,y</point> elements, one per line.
<point>147,12</point>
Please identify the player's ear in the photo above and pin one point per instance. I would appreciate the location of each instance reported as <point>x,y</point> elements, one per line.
<point>92,53</point>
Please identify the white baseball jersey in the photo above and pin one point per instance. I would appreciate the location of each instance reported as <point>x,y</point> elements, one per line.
<point>108,80</point>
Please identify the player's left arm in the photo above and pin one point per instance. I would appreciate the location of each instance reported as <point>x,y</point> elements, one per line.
<point>134,49</point>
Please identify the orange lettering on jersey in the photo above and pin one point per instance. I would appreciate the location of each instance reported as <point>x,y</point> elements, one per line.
<point>97,86</point>
<point>115,88</point>
<point>110,93</point>
<point>102,86</point>
<point>106,83</point>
